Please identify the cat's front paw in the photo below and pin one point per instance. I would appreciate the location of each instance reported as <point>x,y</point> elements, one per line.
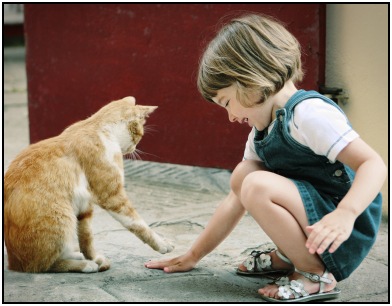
<point>160,244</point>
<point>165,247</point>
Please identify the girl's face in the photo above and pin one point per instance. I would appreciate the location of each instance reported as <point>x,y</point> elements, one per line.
<point>259,116</point>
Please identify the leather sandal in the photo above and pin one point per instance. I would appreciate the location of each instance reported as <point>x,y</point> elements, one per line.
<point>293,291</point>
<point>259,262</point>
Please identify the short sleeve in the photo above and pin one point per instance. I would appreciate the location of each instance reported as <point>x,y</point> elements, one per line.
<point>321,127</point>
<point>250,152</point>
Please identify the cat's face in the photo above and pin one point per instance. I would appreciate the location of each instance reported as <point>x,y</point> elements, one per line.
<point>135,127</point>
<point>124,120</point>
<point>136,131</point>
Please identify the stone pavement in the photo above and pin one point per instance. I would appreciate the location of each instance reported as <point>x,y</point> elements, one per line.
<point>177,201</point>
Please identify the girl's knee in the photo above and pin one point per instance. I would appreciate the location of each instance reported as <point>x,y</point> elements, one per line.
<point>255,188</point>
<point>241,171</point>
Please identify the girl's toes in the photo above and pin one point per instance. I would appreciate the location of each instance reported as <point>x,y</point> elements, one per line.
<point>269,291</point>
<point>242,268</point>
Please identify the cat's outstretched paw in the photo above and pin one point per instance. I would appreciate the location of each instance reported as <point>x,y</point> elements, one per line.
<point>103,263</point>
<point>160,244</point>
<point>165,247</point>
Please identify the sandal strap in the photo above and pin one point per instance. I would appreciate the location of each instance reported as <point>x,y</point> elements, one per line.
<point>261,264</point>
<point>323,279</point>
<point>284,258</point>
<point>294,287</point>
<point>260,260</point>
<point>315,277</point>
<point>255,263</point>
<point>258,253</point>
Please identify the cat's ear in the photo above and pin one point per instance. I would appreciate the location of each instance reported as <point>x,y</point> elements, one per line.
<point>147,110</point>
<point>131,100</point>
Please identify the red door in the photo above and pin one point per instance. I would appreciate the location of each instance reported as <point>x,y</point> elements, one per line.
<point>82,56</point>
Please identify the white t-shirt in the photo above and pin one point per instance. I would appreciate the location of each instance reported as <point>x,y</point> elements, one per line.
<point>314,124</point>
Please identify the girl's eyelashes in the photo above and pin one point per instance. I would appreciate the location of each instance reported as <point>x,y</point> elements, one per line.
<point>227,103</point>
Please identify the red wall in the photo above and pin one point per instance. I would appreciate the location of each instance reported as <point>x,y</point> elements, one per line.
<point>82,56</point>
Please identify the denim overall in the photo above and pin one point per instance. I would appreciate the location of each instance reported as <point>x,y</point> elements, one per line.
<point>321,185</point>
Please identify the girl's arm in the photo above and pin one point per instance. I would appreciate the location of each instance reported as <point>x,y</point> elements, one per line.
<point>336,227</point>
<point>225,218</point>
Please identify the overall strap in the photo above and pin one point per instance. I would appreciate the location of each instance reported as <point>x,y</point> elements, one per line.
<point>302,95</point>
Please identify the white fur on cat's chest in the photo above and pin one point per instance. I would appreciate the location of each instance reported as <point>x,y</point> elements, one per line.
<point>113,143</point>
<point>116,137</point>
<point>81,195</point>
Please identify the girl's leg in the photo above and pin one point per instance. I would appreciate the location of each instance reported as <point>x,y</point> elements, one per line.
<point>276,205</point>
<point>240,172</point>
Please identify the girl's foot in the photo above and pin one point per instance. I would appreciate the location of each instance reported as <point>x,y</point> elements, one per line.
<point>260,263</point>
<point>281,288</point>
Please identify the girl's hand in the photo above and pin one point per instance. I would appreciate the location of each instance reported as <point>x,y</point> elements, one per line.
<point>332,230</point>
<point>178,264</point>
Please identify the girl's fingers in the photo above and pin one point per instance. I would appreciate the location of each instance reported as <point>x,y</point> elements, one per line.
<point>177,264</point>
<point>172,269</point>
<point>157,264</point>
<point>320,239</point>
<point>336,244</point>
<point>316,238</point>
<point>326,242</point>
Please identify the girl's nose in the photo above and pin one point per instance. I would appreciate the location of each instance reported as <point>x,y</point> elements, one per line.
<point>232,118</point>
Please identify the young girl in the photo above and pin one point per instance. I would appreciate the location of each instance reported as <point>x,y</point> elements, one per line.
<point>307,178</point>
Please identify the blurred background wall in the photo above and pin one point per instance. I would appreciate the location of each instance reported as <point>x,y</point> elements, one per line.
<point>357,60</point>
<point>82,56</point>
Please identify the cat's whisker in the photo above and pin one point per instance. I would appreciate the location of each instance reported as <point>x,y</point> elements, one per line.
<point>136,155</point>
<point>129,156</point>
<point>142,152</point>
<point>133,155</point>
<point>148,129</point>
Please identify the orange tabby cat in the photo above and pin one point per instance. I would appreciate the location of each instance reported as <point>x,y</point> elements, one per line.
<point>50,189</point>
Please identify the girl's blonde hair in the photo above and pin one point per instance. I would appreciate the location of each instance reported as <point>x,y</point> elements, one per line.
<point>254,52</point>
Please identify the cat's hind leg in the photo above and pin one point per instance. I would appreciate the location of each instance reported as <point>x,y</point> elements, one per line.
<point>71,261</point>
<point>74,265</point>
<point>85,236</point>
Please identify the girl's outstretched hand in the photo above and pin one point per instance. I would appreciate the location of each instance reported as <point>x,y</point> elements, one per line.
<point>182,263</point>
<point>331,231</point>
